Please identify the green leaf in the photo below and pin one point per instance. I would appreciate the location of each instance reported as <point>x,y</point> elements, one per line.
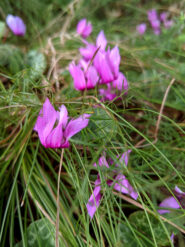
<point>11,58</point>
<point>40,233</point>
<point>140,221</point>
<point>37,64</point>
<point>127,237</point>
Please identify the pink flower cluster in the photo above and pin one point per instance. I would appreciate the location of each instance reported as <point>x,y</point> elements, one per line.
<point>118,182</point>
<point>155,22</point>
<point>99,65</point>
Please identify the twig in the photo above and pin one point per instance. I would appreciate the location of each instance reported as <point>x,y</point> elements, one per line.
<point>139,205</point>
<point>58,201</point>
<point>138,145</point>
<point>162,107</point>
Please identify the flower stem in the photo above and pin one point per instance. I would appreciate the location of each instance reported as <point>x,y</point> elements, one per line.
<point>58,201</point>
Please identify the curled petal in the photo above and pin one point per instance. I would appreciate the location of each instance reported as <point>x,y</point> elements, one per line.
<point>76,125</point>
<point>179,191</point>
<point>114,60</point>
<point>94,200</point>
<point>45,121</point>
<point>101,64</point>
<point>169,202</point>
<point>78,76</point>
<point>123,185</point>
<point>92,77</point>
<point>101,40</point>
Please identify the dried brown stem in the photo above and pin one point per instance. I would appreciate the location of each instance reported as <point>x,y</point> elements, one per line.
<point>139,205</point>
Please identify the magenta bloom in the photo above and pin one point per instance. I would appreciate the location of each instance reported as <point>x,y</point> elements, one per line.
<point>152,15</point>
<point>115,88</point>
<point>86,79</point>
<point>120,83</point>
<point>163,16</point>
<point>107,64</point>
<point>119,182</point>
<point>90,49</point>
<point>54,128</point>
<point>16,24</point>
<point>84,28</point>
<point>141,28</point>
<point>154,21</point>
<point>171,202</point>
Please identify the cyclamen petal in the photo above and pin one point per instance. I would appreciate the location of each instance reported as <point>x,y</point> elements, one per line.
<point>152,15</point>
<point>168,23</point>
<point>114,60</point>
<point>88,51</point>
<point>84,28</point>
<point>16,24</point>
<point>76,125</point>
<point>94,200</point>
<point>63,116</point>
<point>92,77</point>
<point>101,40</point>
<point>121,82</point>
<point>141,28</point>
<point>102,65</point>
<point>55,138</point>
<point>169,202</point>
<point>106,94</point>
<point>45,121</point>
<point>78,76</point>
<point>124,186</point>
<point>163,16</point>
<point>179,191</point>
<point>124,157</point>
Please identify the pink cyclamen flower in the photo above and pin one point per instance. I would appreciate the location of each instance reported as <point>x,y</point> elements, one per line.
<point>115,88</point>
<point>83,80</point>
<point>172,202</point>
<point>119,182</point>
<point>163,16</point>
<point>89,51</point>
<point>57,137</point>
<point>141,28</point>
<point>154,21</point>
<point>152,15</point>
<point>84,28</point>
<point>16,24</point>
<point>107,64</point>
